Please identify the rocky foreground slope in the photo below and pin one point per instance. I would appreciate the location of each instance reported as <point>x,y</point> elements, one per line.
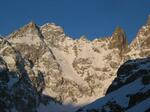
<point>129,92</point>
<point>43,64</point>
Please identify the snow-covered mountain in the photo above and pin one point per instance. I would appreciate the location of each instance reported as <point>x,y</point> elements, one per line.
<point>60,73</point>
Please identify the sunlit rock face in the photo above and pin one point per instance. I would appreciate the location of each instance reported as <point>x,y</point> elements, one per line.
<point>69,71</point>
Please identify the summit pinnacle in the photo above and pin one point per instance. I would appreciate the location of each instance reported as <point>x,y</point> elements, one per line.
<point>119,39</point>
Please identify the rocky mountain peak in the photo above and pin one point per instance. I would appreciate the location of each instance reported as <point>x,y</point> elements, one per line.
<point>142,39</point>
<point>83,38</point>
<point>51,27</point>
<point>119,39</point>
<point>53,34</point>
<point>28,34</point>
<point>31,26</point>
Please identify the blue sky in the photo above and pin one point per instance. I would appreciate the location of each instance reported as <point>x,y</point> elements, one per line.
<point>93,18</point>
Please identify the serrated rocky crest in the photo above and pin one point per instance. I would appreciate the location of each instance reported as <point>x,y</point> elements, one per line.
<point>140,45</point>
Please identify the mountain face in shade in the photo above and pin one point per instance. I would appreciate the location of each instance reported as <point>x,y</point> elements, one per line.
<point>60,73</point>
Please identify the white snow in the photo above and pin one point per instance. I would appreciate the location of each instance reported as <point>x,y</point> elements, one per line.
<point>65,60</point>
